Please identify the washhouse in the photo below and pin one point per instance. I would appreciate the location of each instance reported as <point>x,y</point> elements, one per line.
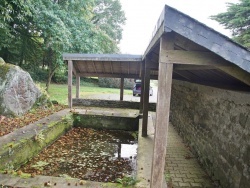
<point>203,89</point>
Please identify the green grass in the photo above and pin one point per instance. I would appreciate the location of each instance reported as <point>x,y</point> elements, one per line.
<point>59,92</point>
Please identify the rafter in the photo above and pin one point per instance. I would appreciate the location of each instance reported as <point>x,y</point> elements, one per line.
<point>193,58</point>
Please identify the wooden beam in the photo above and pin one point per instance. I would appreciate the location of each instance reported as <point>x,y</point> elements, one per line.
<point>102,57</point>
<point>142,73</point>
<point>237,73</point>
<point>153,65</point>
<point>73,68</point>
<point>230,69</point>
<point>162,113</point>
<point>121,89</point>
<point>70,67</point>
<point>227,86</point>
<point>94,66</point>
<point>192,67</point>
<point>155,40</point>
<point>138,68</point>
<point>183,76</point>
<point>146,98</point>
<point>111,67</point>
<point>109,75</point>
<point>193,58</point>
<point>78,86</point>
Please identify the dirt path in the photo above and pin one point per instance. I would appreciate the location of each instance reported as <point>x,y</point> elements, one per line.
<point>125,97</point>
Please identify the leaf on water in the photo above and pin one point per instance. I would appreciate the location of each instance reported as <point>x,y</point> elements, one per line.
<point>40,164</point>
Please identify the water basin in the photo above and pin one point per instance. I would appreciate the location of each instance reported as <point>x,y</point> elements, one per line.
<point>89,154</point>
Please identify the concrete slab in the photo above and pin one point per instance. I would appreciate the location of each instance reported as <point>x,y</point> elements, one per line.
<point>28,131</point>
<point>145,154</point>
<point>48,181</point>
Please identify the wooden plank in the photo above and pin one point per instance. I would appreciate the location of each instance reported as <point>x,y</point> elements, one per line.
<point>162,114</point>
<point>192,67</point>
<point>78,86</point>
<point>227,86</point>
<point>111,67</point>
<point>146,98</point>
<point>193,58</point>
<point>183,76</point>
<point>128,67</point>
<point>121,89</point>
<point>186,44</point>
<point>237,73</point>
<point>103,67</point>
<point>230,69</point>
<point>70,67</point>
<point>76,68</point>
<point>94,67</point>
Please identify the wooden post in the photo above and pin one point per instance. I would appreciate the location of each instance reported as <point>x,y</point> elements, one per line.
<point>78,86</point>
<point>70,68</point>
<point>145,98</point>
<point>162,114</point>
<point>142,85</point>
<point>121,89</point>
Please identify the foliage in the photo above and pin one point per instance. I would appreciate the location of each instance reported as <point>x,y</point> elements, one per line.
<point>237,19</point>
<point>8,125</point>
<point>39,137</point>
<point>39,165</point>
<point>35,33</point>
<point>115,83</point>
<point>126,181</point>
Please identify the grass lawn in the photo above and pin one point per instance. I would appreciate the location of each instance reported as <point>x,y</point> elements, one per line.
<point>59,92</point>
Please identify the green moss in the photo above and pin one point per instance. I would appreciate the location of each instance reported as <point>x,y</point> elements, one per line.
<point>26,148</point>
<point>10,145</point>
<point>4,69</point>
<point>15,174</point>
<point>2,61</point>
<point>53,123</point>
<point>24,175</point>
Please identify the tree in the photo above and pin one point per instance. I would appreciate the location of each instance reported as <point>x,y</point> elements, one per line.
<point>237,19</point>
<point>107,15</point>
<point>35,33</point>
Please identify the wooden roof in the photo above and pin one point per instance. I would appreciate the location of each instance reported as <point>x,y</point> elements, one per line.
<point>105,65</point>
<point>201,55</point>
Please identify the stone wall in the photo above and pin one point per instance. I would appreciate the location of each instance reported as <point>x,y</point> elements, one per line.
<point>96,121</point>
<point>216,125</point>
<point>110,104</point>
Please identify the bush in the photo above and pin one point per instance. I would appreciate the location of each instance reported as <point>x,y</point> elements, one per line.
<point>39,75</point>
<point>115,83</point>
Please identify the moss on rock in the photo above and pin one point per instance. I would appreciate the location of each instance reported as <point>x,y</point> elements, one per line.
<point>4,69</point>
<point>2,61</point>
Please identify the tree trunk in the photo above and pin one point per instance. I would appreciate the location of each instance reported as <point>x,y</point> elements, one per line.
<point>50,69</point>
<point>50,75</point>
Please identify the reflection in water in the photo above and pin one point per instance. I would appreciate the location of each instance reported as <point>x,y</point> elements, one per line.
<point>97,155</point>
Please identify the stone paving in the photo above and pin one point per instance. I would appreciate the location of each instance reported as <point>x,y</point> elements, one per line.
<point>182,168</point>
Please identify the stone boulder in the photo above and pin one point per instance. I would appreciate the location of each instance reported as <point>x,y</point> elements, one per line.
<point>18,93</point>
